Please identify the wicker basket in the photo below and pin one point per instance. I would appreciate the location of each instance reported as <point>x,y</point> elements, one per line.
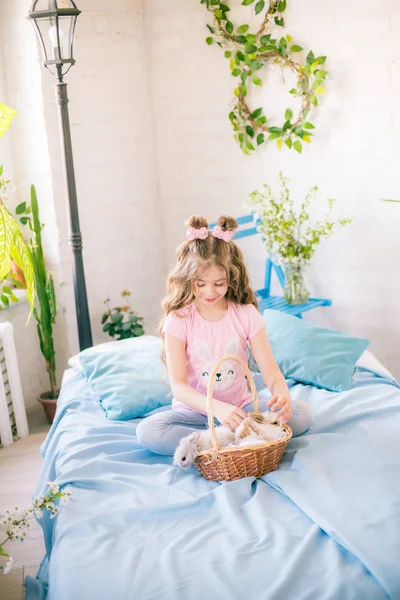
<point>228,464</point>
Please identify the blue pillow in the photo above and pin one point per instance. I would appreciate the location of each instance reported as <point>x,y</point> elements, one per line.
<point>312,354</point>
<point>128,376</point>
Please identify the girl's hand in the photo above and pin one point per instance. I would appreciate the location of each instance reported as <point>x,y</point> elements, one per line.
<point>283,405</point>
<point>229,415</point>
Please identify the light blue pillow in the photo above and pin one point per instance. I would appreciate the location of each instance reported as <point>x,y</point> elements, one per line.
<point>128,376</point>
<point>312,354</point>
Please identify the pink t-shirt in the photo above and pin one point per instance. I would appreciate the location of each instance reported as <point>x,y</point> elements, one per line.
<point>208,341</point>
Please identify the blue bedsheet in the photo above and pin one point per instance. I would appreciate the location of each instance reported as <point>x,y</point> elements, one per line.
<point>325,525</point>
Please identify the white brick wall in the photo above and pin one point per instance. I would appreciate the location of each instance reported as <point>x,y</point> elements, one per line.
<point>153,144</point>
<point>353,158</point>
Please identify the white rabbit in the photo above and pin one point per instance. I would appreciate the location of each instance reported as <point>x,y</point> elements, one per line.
<point>226,375</point>
<point>190,446</point>
<point>257,428</point>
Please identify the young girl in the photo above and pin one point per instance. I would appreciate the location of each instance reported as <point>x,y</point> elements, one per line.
<point>209,311</point>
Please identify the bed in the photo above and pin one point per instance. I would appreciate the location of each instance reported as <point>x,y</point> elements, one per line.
<point>324,526</point>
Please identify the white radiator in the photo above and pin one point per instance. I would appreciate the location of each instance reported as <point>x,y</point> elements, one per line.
<point>13,421</point>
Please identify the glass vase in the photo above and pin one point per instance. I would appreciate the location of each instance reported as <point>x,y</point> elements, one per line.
<point>295,291</point>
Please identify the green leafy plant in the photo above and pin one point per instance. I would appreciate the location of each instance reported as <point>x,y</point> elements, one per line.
<point>46,311</point>
<point>247,53</point>
<point>288,235</point>
<point>13,248</point>
<point>122,321</point>
<point>291,240</point>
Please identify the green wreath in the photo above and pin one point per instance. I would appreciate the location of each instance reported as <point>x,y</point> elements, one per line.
<point>248,53</point>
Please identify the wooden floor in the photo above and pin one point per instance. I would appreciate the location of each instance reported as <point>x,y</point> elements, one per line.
<point>19,469</point>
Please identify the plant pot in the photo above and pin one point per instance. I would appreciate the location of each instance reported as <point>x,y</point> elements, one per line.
<point>294,291</point>
<point>18,274</point>
<point>49,405</point>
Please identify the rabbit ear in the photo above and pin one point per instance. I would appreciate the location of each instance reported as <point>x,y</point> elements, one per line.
<point>202,351</point>
<point>232,346</point>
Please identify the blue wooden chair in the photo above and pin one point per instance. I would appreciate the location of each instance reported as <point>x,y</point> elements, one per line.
<point>265,300</point>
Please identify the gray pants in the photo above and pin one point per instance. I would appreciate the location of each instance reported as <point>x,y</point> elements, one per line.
<point>162,432</point>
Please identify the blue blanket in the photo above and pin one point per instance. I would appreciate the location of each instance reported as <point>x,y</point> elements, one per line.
<point>325,525</point>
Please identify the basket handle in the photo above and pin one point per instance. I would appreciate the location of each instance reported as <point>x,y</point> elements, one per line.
<point>210,400</point>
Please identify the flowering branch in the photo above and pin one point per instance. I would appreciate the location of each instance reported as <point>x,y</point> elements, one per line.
<point>15,524</point>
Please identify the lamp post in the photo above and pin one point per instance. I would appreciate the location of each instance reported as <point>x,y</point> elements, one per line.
<point>54,23</point>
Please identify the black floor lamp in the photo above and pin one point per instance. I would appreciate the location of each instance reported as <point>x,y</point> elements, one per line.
<point>54,23</point>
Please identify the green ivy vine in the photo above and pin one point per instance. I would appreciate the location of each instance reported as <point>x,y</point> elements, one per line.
<point>248,53</point>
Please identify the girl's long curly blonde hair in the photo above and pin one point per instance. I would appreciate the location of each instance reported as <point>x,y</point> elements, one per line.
<point>195,256</point>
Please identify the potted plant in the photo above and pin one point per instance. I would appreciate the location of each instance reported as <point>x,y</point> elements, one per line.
<point>16,264</point>
<point>290,238</point>
<point>45,310</point>
<point>122,321</point>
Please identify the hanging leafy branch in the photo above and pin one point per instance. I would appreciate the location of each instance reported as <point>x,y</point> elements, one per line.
<point>247,53</point>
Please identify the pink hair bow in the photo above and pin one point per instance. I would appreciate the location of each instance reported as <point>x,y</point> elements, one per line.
<point>200,234</point>
<point>219,233</point>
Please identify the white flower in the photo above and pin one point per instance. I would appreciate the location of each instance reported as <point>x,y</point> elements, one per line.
<point>53,487</point>
<point>38,513</point>
<point>8,565</point>
<point>64,500</point>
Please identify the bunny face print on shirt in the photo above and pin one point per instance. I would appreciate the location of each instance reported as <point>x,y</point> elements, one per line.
<point>227,373</point>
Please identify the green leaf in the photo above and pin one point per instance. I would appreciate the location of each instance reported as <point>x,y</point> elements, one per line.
<point>256,64</point>
<point>250,48</point>
<point>219,14</point>
<point>275,130</point>
<point>297,146</point>
<point>210,29</point>
<point>104,318</point>
<point>282,5</point>
<point>241,39</point>
<point>228,54</point>
<point>310,57</point>
<point>282,46</point>
<point>5,300</point>
<point>236,72</point>
<point>249,131</point>
<point>240,55</point>
<point>288,113</point>
<point>287,125</point>
<point>251,38</point>
<point>250,146</point>
<point>308,125</point>
<point>242,29</point>
<point>247,2</point>
<point>256,113</point>
<point>293,91</point>
<point>21,208</point>
<point>314,99</point>
<point>244,76</point>
<point>116,318</point>
<point>209,41</point>
<point>229,27</point>
<point>289,143</point>
<point>321,74</point>
<point>7,290</point>
<point>262,120</point>
<point>279,21</point>
<point>224,7</point>
<point>320,60</point>
<point>256,80</point>
<point>274,135</point>
<point>260,138</point>
<point>24,220</point>
<point>260,6</point>
<point>265,39</point>
<point>243,89</point>
<point>296,48</point>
